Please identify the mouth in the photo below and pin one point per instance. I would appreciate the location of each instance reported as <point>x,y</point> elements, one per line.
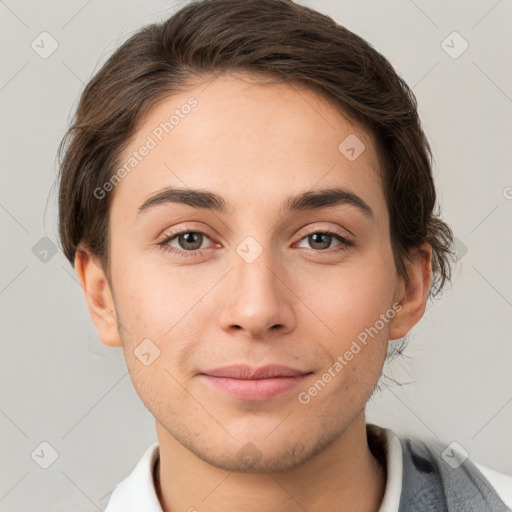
<point>248,383</point>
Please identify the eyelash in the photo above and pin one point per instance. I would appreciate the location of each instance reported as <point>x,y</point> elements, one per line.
<point>345,242</point>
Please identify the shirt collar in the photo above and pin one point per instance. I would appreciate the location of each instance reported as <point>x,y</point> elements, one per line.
<point>137,491</point>
<point>392,448</point>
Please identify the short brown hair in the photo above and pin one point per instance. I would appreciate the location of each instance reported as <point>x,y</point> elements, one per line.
<point>277,39</point>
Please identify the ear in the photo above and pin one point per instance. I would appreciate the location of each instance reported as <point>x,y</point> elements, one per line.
<point>98,297</point>
<point>412,294</point>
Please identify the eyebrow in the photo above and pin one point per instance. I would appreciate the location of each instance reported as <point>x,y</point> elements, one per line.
<point>306,201</point>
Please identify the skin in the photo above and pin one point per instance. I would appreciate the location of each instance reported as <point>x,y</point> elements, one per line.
<point>255,145</point>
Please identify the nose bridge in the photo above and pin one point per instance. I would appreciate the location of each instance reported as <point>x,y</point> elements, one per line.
<point>257,298</point>
<point>255,269</point>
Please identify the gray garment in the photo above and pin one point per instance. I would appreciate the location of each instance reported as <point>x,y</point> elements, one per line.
<point>430,484</point>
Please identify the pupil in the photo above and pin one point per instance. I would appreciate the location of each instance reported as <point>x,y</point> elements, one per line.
<point>191,238</point>
<point>323,244</point>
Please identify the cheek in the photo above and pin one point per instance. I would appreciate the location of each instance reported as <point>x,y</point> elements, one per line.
<point>350,298</point>
<point>350,301</point>
<point>356,346</point>
<point>168,307</point>
<point>152,298</point>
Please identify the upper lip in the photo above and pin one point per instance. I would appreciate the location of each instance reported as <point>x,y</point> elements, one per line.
<point>247,372</point>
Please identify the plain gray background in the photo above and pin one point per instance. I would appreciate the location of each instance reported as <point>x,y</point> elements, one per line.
<point>61,386</point>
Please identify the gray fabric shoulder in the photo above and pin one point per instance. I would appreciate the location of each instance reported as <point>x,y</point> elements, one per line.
<point>431,484</point>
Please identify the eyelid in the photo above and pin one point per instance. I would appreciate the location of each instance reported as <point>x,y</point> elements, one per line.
<point>338,230</point>
<point>301,234</point>
<point>184,228</point>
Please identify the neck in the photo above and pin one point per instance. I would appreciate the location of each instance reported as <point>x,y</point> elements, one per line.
<point>343,477</point>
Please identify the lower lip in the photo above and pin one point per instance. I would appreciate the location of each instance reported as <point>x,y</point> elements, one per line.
<point>255,389</point>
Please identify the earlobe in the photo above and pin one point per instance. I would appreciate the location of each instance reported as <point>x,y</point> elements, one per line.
<point>413,293</point>
<point>98,297</point>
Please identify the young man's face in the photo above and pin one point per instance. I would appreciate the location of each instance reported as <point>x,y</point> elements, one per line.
<point>260,285</point>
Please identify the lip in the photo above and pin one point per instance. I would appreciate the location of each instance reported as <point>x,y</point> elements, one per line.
<point>245,372</point>
<point>249,383</point>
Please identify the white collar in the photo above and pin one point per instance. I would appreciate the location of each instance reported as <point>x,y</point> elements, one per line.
<point>393,452</point>
<point>137,491</point>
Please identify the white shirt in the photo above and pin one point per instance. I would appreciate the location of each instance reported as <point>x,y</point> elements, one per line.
<point>136,493</point>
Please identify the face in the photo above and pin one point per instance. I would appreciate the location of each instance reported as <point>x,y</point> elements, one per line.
<point>253,283</point>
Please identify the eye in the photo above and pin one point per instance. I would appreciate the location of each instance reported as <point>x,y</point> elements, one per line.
<point>189,243</point>
<point>321,240</point>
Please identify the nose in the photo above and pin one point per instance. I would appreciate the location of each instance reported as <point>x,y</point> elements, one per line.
<point>258,297</point>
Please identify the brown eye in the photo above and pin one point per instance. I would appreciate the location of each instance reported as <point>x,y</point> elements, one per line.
<point>321,240</point>
<point>190,241</point>
<point>185,243</point>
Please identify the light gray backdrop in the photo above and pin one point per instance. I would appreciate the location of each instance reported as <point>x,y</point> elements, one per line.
<point>61,386</point>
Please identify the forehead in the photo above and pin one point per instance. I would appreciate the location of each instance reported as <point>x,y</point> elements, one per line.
<point>250,143</point>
